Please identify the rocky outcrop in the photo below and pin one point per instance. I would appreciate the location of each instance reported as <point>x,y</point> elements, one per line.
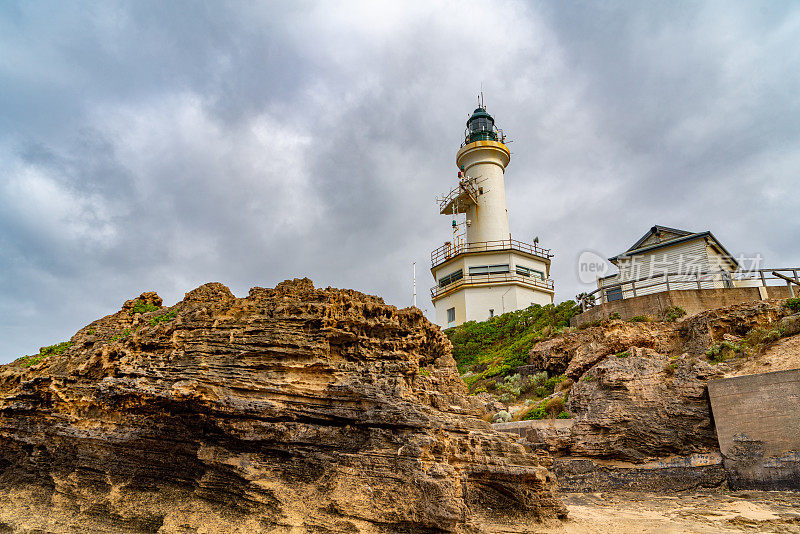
<point>294,409</point>
<point>640,390</point>
<point>642,406</point>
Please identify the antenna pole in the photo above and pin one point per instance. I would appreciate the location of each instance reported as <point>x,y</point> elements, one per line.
<point>415,284</point>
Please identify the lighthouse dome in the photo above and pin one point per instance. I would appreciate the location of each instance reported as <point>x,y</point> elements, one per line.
<point>480,126</point>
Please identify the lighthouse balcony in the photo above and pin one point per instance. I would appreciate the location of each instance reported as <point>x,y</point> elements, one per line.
<point>449,250</point>
<point>519,278</point>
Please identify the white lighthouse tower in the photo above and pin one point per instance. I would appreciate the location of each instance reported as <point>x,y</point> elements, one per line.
<point>482,271</point>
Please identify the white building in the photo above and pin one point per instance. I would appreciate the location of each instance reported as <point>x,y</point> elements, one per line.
<point>483,272</point>
<point>665,259</point>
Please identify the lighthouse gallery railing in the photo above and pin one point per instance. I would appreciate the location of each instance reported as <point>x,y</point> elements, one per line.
<point>493,278</point>
<point>450,250</point>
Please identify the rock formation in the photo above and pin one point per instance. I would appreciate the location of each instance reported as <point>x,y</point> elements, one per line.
<point>294,409</point>
<point>640,398</point>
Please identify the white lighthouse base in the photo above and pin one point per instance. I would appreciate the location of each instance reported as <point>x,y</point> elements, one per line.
<point>482,303</point>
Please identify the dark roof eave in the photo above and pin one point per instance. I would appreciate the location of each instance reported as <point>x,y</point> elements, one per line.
<point>671,242</point>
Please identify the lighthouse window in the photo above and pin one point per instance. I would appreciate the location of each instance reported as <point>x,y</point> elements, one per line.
<point>488,269</point>
<point>451,316</point>
<point>527,271</point>
<point>498,268</point>
<point>480,124</point>
<point>450,278</point>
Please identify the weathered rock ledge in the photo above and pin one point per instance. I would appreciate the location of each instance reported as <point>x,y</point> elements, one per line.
<point>294,409</point>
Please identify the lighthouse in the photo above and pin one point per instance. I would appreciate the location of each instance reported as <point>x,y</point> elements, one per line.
<point>481,271</point>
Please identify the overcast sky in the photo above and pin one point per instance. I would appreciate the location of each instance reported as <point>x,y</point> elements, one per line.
<point>162,145</point>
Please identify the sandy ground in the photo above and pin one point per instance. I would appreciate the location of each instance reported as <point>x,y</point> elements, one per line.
<point>692,512</point>
<point>783,355</point>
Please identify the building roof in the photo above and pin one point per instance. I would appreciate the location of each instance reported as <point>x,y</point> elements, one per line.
<point>663,236</point>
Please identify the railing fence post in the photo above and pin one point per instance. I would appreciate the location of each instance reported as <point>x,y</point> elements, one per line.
<point>666,280</point>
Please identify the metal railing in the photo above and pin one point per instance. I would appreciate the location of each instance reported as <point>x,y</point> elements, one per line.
<point>450,250</point>
<point>493,278</point>
<point>691,280</point>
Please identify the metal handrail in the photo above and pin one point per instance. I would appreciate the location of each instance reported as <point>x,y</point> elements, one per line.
<point>629,288</point>
<point>449,250</point>
<point>478,279</point>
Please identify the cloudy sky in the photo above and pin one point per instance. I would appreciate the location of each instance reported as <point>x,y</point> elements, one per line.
<point>161,145</point>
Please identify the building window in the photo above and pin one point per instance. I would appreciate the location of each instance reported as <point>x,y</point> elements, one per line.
<point>488,269</point>
<point>527,271</point>
<point>451,316</point>
<point>450,278</point>
<point>614,293</point>
<point>491,313</point>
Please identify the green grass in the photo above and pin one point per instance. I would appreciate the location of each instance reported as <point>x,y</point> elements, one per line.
<point>498,346</point>
<point>640,319</point>
<point>141,306</point>
<point>44,352</point>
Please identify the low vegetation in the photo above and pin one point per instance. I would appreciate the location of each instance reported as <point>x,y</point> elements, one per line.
<point>44,352</point>
<point>640,319</point>
<point>125,333</point>
<point>754,342</point>
<point>673,314</point>
<point>793,304</point>
<point>163,318</point>
<point>495,348</point>
<point>141,306</point>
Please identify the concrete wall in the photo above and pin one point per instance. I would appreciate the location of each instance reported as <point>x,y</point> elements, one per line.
<point>694,301</point>
<point>757,418</point>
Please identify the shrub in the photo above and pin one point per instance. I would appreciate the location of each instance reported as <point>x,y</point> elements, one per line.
<point>554,406</point>
<point>163,318</point>
<point>125,333</point>
<point>502,417</point>
<point>623,354</point>
<point>564,415</point>
<point>509,389</point>
<point>793,304</point>
<point>552,382</point>
<point>590,324</point>
<point>673,314</point>
<point>564,385</point>
<point>90,332</point>
<point>539,412</point>
<point>614,316</point>
<point>532,382</point>
<point>640,319</point>
<point>44,352</point>
<point>762,335</point>
<point>141,306</point>
<point>426,374</point>
<point>723,351</point>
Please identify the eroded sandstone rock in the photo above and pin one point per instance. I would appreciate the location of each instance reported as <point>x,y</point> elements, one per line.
<point>294,409</point>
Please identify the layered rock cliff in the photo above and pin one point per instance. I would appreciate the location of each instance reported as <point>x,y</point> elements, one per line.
<point>294,409</point>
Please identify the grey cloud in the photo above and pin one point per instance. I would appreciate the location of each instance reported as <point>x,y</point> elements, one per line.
<point>159,146</point>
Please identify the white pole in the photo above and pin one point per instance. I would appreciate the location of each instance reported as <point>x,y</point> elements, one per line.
<point>415,284</point>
